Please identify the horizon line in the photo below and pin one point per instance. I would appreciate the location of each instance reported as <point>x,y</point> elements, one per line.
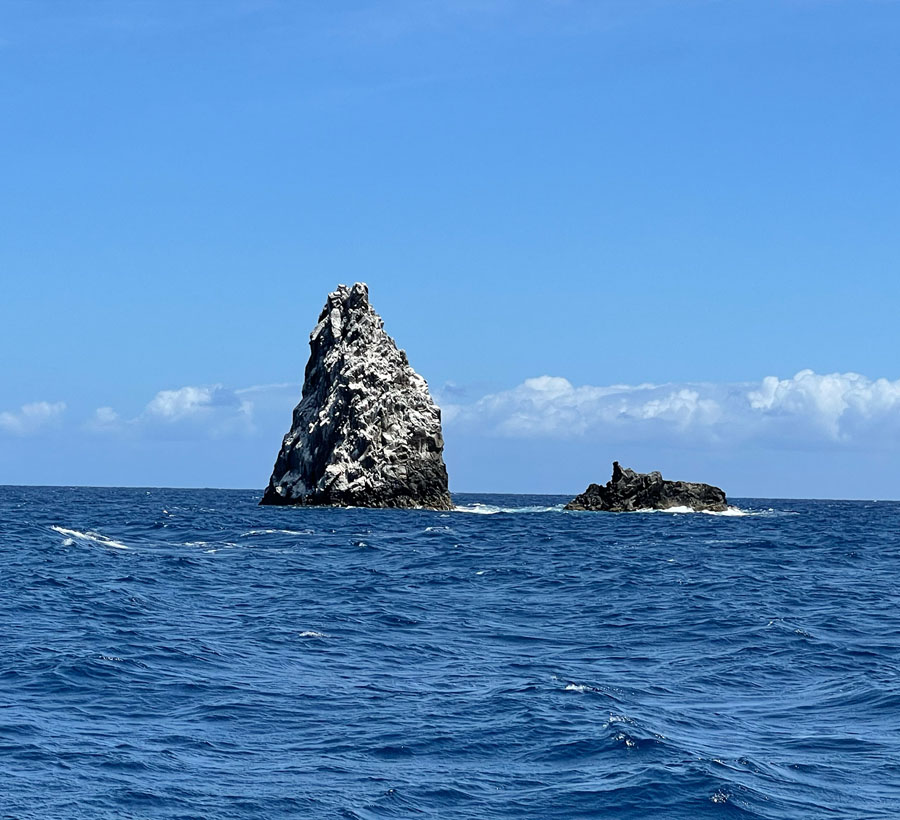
<point>452,493</point>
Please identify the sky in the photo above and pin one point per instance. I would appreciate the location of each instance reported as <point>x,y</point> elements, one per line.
<point>658,231</point>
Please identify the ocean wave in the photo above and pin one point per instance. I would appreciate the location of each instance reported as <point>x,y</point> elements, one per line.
<point>95,537</point>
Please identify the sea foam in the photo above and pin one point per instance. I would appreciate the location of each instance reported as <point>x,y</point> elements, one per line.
<point>490,509</point>
<point>96,537</point>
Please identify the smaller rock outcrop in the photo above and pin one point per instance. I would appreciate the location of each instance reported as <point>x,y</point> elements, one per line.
<point>628,490</point>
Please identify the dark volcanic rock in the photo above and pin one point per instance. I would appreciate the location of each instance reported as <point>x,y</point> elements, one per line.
<point>366,432</point>
<point>628,490</point>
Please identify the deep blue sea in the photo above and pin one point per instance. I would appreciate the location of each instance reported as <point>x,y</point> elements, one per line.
<point>187,654</point>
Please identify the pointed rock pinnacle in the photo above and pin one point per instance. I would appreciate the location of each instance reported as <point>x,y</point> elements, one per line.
<point>366,432</point>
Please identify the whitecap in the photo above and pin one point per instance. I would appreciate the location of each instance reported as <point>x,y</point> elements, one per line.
<point>96,537</point>
<point>479,509</point>
<point>578,687</point>
<point>731,512</point>
<point>311,634</point>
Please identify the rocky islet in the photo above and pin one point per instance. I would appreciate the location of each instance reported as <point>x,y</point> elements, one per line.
<point>628,491</point>
<point>366,432</point>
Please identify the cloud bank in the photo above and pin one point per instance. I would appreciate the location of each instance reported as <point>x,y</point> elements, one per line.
<point>810,409</point>
<point>807,411</point>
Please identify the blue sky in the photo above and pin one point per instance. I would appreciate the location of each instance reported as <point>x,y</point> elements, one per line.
<point>695,201</point>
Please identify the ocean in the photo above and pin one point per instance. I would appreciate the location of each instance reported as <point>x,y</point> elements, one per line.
<point>187,654</point>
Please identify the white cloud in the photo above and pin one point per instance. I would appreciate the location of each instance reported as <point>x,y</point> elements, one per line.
<point>106,415</point>
<point>838,408</point>
<point>215,409</point>
<point>841,405</point>
<point>552,406</point>
<point>32,418</point>
<point>191,411</point>
<point>186,402</point>
<point>103,420</point>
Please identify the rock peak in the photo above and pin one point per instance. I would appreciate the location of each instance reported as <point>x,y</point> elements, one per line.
<point>366,431</point>
<point>356,297</point>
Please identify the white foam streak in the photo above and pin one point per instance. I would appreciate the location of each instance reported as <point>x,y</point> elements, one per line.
<point>95,537</point>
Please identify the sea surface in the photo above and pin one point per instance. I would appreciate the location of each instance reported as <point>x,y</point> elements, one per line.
<point>188,654</point>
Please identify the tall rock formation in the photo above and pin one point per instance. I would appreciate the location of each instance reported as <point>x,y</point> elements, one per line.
<point>366,432</point>
<point>628,490</point>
